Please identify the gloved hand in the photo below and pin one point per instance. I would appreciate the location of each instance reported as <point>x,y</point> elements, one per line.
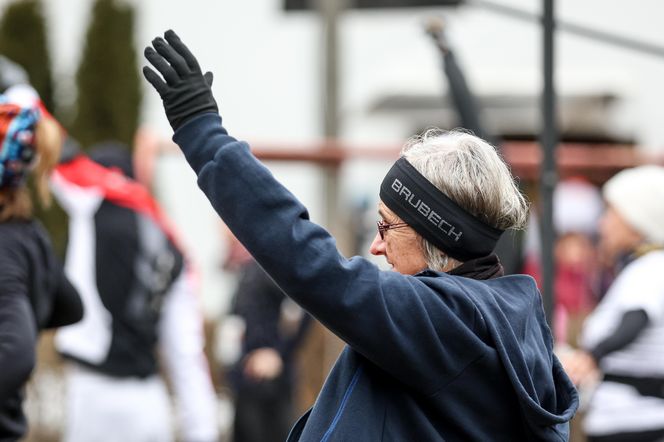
<point>186,92</point>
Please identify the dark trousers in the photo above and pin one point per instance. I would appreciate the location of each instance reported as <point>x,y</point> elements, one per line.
<point>263,412</point>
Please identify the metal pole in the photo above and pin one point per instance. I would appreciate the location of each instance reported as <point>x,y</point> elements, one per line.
<point>549,139</point>
<point>330,11</point>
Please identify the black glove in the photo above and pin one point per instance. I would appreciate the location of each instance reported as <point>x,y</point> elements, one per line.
<point>186,92</point>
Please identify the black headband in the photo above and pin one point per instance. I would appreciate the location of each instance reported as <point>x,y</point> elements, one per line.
<point>434,216</point>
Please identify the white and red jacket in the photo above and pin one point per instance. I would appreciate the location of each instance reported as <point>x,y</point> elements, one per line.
<point>137,291</point>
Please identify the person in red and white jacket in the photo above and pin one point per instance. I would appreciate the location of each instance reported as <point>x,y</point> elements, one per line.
<point>140,301</point>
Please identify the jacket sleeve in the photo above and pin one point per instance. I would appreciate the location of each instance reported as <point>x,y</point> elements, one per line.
<point>18,329</point>
<point>181,342</point>
<point>67,307</point>
<point>631,325</point>
<point>67,304</point>
<point>395,321</point>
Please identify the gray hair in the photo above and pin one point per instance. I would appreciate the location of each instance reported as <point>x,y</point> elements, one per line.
<point>469,171</point>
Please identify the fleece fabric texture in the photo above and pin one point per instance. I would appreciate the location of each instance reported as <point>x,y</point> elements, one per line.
<point>430,357</point>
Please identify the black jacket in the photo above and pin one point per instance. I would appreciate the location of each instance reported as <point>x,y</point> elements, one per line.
<point>34,295</point>
<point>258,301</point>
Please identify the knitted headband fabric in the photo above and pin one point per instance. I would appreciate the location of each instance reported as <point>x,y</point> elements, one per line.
<point>17,136</point>
<point>434,216</point>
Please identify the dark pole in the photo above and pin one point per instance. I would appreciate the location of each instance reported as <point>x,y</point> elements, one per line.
<point>549,139</point>
<point>330,12</point>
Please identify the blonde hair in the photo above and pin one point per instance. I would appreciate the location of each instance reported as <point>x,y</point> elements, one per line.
<point>17,202</point>
<point>470,172</point>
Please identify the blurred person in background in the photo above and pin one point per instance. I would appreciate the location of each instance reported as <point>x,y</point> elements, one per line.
<point>577,207</point>
<point>141,311</point>
<point>34,292</point>
<point>623,339</point>
<point>440,348</point>
<point>263,378</point>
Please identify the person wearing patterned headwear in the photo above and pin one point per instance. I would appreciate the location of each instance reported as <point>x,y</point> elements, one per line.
<point>34,292</point>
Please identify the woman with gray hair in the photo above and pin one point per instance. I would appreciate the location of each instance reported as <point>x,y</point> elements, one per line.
<point>441,348</point>
<point>468,171</point>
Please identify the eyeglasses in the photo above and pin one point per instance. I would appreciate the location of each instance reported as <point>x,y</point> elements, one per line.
<point>384,227</point>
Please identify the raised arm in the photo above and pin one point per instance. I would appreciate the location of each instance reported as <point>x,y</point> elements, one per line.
<point>389,318</point>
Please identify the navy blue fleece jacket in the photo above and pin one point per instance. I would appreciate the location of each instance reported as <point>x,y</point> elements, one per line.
<point>430,357</point>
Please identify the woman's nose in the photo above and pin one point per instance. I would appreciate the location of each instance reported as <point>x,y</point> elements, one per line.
<point>377,246</point>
